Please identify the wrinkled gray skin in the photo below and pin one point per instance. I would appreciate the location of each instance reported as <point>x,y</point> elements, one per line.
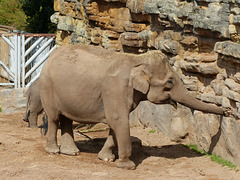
<point>91,85</point>
<point>34,105</point>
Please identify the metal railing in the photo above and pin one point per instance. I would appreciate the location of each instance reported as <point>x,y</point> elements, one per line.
<point>27,53</point>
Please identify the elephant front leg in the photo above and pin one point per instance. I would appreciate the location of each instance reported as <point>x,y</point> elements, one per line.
<point>117,119</point>
<point>106,153</point>
<point>122,132</point>
<point>67,143</point>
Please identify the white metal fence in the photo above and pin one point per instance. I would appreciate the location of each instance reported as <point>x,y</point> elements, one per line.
<point>28,52</point>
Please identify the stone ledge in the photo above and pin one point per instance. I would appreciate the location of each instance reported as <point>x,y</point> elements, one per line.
<point>13,100</point>
<point>228,48</point>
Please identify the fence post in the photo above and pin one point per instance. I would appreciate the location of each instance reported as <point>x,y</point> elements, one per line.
<point>23,60</point>
<point>19,59</point>
<point>16,61</point>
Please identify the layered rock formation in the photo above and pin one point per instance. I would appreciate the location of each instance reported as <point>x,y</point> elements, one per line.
<point>201,38</point>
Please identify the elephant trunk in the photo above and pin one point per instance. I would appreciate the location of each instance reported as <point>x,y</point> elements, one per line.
<point>181,95</point>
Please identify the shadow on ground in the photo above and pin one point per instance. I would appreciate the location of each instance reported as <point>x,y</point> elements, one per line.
<point>139,152</point>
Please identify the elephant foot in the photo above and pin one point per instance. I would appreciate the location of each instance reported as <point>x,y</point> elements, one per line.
<point>107,156</point>
<point>33,126</point>
<point>26,120</point>
<point>126,164</point>
<point>69,151</point>
<point>52,149</point>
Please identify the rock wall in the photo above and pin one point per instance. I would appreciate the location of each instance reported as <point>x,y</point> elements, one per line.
<point>201,39</point>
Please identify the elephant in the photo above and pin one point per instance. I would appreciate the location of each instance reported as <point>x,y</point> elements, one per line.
<point>34,105</point>
<point>90,84</point>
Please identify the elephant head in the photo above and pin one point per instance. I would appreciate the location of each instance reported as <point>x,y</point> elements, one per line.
<point>158,81</point>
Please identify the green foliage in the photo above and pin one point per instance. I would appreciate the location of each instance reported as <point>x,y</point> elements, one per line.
<point>222,161</point>
<point>214,158</point>
<point>12,14</point>
<point>38,15</point>
<point>28,15</point>
<point>152,131</point>
<point>195,149</point>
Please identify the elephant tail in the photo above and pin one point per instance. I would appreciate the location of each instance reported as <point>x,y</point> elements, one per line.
<point>44,126</point>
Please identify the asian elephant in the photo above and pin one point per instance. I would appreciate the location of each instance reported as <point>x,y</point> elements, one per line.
<point>91,84</point>
<point>34,105</point>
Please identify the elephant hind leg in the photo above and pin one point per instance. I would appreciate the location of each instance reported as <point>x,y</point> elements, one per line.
<point>33,120</point>
<point>34,111</point>
<point>67,140</point>
<point>53,124</point>
<point>106,153</point>
<point>26,115</point>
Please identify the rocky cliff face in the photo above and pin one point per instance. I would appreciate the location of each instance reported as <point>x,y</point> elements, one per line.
<point>201,38</point>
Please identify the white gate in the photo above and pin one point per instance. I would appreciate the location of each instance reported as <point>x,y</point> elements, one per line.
<point>27,54</point>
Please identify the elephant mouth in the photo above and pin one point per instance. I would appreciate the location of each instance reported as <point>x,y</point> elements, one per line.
<point>173,103</point>
<point>167,101</point>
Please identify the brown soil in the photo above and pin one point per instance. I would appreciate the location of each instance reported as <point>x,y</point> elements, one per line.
<point>23,157</point>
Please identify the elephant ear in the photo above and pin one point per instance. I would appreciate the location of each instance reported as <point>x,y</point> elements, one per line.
<point>139,79</point>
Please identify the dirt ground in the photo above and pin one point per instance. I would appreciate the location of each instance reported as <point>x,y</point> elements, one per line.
<point>23,157</point>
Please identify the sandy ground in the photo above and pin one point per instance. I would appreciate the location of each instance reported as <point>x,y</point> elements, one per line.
<point>23,157</point>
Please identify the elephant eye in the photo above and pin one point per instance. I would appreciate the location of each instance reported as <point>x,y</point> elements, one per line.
<point>168,85</point>
<point>170,81</point>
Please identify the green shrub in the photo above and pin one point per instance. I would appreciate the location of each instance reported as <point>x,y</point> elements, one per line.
<point>213,157</point>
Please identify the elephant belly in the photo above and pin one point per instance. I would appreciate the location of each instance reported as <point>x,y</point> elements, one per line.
<point>84,110</point>
<point>86,118</point>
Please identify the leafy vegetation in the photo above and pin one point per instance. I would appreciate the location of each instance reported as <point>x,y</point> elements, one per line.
<point>152,131</point>
<point>28,15</point>
<point>214,158</point>
<point>12,14</point>
<point>38,15</point>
